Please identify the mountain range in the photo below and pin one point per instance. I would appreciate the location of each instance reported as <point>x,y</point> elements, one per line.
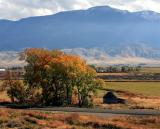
<point>142,56</point>
<point>100,26</point>
<point>128,55</point>
<point>104,30</point>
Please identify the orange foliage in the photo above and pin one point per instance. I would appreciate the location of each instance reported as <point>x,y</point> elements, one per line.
<point>42,57</point>
<point>72,65</point>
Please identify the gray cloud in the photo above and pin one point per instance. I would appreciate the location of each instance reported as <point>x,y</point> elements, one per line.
<point>16,9</point>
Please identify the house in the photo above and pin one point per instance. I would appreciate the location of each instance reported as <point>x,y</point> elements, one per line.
<point>2,72</point>
<point>16,72</point>
<point>111,98</point>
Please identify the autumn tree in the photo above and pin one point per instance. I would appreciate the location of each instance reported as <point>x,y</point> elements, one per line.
<point>58,74</point>
<point>38,73</point>
<point>37,60</point>
<point>75,74</point>
<point>68,67</point>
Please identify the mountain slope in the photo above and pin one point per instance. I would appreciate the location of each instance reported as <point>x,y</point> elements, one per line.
<point>10,58</point>
<point>95,27</point>
<point>132,55</point>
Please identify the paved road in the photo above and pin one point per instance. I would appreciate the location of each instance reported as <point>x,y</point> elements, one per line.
<point>96,111</point>
<point>103,112</point>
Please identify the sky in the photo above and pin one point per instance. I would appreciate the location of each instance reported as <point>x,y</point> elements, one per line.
<point>17,9</point>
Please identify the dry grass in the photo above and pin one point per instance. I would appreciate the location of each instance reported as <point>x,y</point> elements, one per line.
<point>145,103</point>
<point>4,97</point>
<point>150,70</point>
<point>10,118</point>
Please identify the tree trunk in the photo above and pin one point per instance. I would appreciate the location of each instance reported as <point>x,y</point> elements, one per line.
<point>12,99</point>
<point>69,95</point>
<point>79,99</point>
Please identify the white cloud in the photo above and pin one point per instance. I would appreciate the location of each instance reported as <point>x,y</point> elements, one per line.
<point>16,9</point>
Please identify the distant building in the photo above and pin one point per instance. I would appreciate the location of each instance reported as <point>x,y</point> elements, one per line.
<point>2,70</point>
<point>16,72</point>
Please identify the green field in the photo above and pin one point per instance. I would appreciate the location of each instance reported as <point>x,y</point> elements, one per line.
<point>144,88</point>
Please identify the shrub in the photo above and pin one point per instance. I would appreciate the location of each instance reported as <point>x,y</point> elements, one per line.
<point>13,124</point>
<point>73,119</point>
<point>15,90</point>
<point>31,120</point>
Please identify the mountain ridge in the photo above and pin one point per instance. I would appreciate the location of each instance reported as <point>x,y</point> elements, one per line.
<point>100,26</point>
<point>119,32</point>
<point>101,57</point>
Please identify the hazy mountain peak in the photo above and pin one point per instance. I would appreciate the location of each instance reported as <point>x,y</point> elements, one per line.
<point>102,8</point>
<point>106,9</point>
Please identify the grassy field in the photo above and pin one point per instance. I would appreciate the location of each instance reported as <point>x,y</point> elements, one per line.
<point>144,88</point>
<point>150,70</point>
<point>133,85</point>
<point>21,119</point>
<point>138,95</point>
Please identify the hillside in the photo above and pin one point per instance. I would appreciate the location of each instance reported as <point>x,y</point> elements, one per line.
<point>98,56</point>
<point>10,58</point>
<point>128,56</point>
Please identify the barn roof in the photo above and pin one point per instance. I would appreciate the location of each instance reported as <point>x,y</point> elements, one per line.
<point>110,94</point>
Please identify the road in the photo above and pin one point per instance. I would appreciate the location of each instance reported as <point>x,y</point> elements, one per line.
<point>95,111</point>
<point>98,111</point>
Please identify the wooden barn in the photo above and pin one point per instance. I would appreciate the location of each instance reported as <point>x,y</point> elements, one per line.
<point>111,98</point>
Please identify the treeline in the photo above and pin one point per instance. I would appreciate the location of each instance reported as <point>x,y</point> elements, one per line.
<point>53,78</point>
<point>117,69</point>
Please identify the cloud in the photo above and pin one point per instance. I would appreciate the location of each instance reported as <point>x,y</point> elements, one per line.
<point>17,9</point>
